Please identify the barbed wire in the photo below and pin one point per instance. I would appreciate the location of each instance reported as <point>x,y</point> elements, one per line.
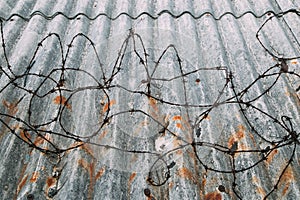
<point>57,84</point>
<point>151,15</point>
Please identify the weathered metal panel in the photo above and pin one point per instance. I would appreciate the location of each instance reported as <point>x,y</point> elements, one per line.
<point>149,99</point>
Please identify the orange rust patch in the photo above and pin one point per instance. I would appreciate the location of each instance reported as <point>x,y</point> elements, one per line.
<point>213,196</point>
<point>38,141</point>
<point>271,156</point>
<point>294,62</point>
<point>50,181</point>
<point>186,173</point>
<point>132,176</point>
<point>171,185</point>
<point>178,125</point>
<point>203,182</point>
<point>100,173</point>
<point>241,132</point>
<point>108,105</point>
<point>177,117</point>
<point>153,104</point>
<point>207,117</point>
<point>22,183</point>
<point>152,101</point>
<point>34,177</point>
<point>286,180</point>
<point>62,101</point>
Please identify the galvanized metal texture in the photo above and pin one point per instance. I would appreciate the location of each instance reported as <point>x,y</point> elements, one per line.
<point>149,99</point>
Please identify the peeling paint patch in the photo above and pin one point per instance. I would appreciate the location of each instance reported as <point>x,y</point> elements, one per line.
<point>108,105</point>
<point>61,100</point>
<point>213,196</point>
<point>34,177</point>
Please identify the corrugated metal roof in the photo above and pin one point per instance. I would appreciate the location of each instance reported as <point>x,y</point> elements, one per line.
<point>149,99</point>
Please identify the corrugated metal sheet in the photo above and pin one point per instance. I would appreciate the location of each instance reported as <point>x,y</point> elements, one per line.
<point>149,99</point>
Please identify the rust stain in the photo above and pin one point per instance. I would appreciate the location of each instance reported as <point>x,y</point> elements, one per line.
<point>22,184</point>
<point>62,101</point>
<point>179,152</point>
<point>24,135</point>
<point>271,156</point>
<point>102,135</point>
<point>100,173</point>
<point>11,107</point>
<point>50,181</point>
<point>34,177</point>
<point>203,182</point>
<point>240,134</point>
<point>213,196</point>
<point>252,139</point>
<point>187,174</point>
<point>259,189</point>
<point>108,105</point>
<point>12,110</point>
<point>88,150</point>
<point>177,117</point>
<point>286,180</point>
<point>176,143</point>
<point>132,176</point>
<point>21,181</point>
<point>38,141</point>
<point>90,168</point>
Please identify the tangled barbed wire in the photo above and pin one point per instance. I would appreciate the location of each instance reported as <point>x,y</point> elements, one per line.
<point>57,91</point>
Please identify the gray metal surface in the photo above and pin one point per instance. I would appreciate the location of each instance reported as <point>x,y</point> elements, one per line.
<point>149,99</point>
